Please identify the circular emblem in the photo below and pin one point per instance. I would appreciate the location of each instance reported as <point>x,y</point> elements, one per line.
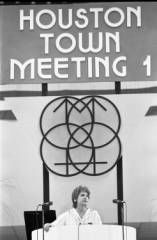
<point>80,135</point>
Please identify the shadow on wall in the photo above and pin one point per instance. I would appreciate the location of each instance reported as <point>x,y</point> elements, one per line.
<point>145,230</point>
<point>13,233</point>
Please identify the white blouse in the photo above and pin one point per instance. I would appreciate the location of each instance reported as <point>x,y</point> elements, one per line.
<point>72,217</point>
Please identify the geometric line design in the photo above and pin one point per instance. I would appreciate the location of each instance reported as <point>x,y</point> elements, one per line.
<point>88,124</point>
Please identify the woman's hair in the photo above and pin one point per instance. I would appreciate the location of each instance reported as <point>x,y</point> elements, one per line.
<point>76,193</point>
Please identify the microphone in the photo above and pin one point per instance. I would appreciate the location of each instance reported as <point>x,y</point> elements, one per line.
<point>118,201</point>
<point>46,204</point>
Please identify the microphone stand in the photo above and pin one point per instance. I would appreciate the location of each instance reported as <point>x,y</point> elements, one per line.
<point>43,220</point>
<point>37,223</point>
<point>43,211</point>
<point>79,231</point>
<point>122,214</point>
<point>121,207</point>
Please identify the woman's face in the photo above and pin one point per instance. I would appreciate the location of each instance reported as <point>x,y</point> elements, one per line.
<point>82,199</point>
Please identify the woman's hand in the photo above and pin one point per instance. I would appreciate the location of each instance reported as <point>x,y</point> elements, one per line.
<point>47,226</point>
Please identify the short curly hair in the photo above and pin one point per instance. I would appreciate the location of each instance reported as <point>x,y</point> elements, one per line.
<point>76,193</point>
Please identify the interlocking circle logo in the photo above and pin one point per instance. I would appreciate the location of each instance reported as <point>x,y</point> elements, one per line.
<point>80,135</point>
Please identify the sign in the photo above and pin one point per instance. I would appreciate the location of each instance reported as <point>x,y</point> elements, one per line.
<point>85,42</point>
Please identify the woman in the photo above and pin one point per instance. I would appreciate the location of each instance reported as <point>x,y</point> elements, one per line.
<point>80,213</point>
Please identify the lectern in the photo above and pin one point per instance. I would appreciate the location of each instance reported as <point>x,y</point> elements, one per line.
<point>84,232</point>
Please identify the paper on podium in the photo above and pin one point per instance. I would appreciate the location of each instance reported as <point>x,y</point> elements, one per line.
<point>86,232</point>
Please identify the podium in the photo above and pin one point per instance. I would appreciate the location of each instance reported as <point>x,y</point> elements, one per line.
<point>84,232</point>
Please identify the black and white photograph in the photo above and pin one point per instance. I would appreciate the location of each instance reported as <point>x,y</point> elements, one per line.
<point>78,120</point>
